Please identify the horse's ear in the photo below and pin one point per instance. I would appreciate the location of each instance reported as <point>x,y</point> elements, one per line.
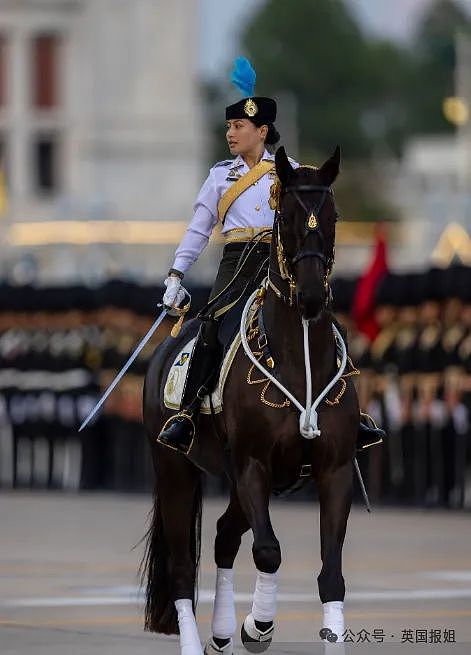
<point>283,167</point>
<point>330,168</point>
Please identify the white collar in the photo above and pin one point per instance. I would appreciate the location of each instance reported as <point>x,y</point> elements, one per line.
<point>239,160</point>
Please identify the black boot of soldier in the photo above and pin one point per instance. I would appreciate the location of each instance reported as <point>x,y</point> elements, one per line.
<point>369,434</point>
<point>179,430</point>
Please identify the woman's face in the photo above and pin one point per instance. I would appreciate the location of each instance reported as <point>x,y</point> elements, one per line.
<point>243,136</point>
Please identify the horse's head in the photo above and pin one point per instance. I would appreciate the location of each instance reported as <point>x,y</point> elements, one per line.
<point>304,230</point>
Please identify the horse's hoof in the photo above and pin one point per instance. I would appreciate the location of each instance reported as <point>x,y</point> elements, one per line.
<point>211,648</point>
<point>324,633</point>
<point>332,637</point>
<point>253,639</point>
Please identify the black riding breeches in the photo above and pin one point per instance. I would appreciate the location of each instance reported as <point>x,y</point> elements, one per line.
<point>249,274</point>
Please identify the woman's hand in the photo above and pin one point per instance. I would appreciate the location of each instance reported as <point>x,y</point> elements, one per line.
<point>174,295</point>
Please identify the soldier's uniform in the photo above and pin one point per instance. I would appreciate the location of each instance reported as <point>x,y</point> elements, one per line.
<point>428,415</point>
<point>243,217</point>
<point>249,214</point>
<point>455,433</point>
<point>464,352</point>
<point>382,391</point>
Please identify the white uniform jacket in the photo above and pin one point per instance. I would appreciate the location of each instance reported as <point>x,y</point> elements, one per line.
<point>250,209</point>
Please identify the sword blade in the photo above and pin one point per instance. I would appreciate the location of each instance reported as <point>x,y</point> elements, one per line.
<point>117,379</point>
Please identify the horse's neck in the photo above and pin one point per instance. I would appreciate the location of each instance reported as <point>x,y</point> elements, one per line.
<point>285,337</point>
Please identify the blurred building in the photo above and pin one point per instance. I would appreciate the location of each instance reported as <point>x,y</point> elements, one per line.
<point>436,207</point>
<point>100,119</point>
<point>432,183</point>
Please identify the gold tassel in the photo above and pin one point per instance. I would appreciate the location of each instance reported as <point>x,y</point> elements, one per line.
<point>175,331</point>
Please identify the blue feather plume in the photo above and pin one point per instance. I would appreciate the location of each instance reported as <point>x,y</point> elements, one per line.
<point>243,76</point>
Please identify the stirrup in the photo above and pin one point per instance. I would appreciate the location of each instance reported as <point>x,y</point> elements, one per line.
<point>175,427</point>
<point>371,425</point>
<point>369,421</point>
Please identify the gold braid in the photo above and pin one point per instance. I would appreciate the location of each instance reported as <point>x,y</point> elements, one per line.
<point>252,333</point>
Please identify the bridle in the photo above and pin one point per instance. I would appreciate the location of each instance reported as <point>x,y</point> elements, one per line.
<point>311,225</point>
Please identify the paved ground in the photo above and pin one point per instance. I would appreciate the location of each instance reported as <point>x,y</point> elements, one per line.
<point>68,578</point>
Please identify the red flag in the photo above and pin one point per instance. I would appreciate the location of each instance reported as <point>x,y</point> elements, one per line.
<point>364,296</point>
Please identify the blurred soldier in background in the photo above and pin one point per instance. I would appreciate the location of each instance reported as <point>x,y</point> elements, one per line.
<point>60,346</point>
<point>382,391</point>
<point>456,295</point>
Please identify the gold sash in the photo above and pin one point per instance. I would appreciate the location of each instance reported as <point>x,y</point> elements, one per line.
<point>243,183</point>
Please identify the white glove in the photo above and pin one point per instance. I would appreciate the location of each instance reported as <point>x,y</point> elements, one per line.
<point>174,294</point>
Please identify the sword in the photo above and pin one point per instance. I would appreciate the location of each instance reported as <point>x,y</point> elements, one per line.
<point>117,379</point>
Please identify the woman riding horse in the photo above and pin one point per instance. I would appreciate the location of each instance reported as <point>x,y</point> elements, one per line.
<point>236,192</point>
<point>263,440</point>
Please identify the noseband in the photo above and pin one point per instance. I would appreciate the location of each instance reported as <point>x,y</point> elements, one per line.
<point>311,225</point>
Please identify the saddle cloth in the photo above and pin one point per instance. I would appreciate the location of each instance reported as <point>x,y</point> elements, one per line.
<point>230,334</point>
<point>173,389</point>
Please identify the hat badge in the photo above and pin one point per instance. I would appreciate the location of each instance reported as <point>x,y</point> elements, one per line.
<point>250,108</point>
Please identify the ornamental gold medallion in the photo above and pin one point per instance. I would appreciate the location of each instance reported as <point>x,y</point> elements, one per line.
<point>250,107</point>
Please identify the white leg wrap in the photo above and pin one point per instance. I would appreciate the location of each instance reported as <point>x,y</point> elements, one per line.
<point>334,619</point>
<point>264,598</point>
<point>224,622</point>
<point>189,638</point>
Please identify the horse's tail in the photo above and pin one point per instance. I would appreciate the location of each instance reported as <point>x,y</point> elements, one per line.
<point>160,614</point>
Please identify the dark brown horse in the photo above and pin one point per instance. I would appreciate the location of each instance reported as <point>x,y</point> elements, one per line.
<point>258,445</point>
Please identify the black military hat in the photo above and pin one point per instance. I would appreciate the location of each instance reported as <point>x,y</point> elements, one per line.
<point>388,290</point>
<point>459,282</point>
<point>409,289</point>
<point>258,109</point>
<point>431,287</point>
<point>117,293</point>
<point>343,291</point>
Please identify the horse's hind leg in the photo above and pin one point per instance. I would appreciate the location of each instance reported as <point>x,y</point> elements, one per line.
<point>230,528</point>
<point>335,496</point>
<point>253,486</point>
<point>173,547</point>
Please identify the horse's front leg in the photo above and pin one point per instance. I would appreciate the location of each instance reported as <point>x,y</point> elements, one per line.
<point>253,486</point>
<point>335,490</point>
<point>230,528</point>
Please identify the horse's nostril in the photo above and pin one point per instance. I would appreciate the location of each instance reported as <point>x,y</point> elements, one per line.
<point>310,304</point>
